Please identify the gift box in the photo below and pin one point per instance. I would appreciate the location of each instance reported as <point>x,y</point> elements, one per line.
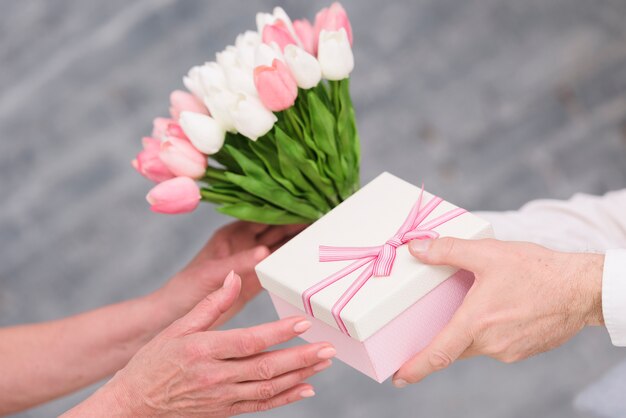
<point>353,276</point>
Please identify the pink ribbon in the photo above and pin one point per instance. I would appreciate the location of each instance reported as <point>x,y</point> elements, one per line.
<point>378,260</point>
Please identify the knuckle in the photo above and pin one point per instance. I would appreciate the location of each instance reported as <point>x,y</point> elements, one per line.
<point>266,390</point>
<point>446,248</point>
<point>264,369</point>
<point>192,350</point>
<point>237,408</point>
<point>262,406</point>
<point>507,358</point>
<point>439,359</point>
<point>248,343</point>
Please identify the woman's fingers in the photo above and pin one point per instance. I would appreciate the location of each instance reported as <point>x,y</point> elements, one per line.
<point>277,234</point>
<point>209,309</point>
<point>292,395</point>
<point>266,389</point>
<point>275,363</point>
<point>246,342</point>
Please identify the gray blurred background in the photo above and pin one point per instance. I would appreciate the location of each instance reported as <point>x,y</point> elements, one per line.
<point>490,102</point>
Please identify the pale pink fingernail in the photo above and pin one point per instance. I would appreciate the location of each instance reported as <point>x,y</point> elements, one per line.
<point>301,326</point>
<point>400,383</point>
<point>420,245</point>
<point>323,365</point>
<point>229,280</point>
<point>308,393</point>
<point>326,353</point>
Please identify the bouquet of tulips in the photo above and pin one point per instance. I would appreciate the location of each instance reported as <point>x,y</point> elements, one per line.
<point>267,130</point>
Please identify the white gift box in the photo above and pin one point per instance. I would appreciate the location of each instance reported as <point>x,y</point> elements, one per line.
<point>385,310</point>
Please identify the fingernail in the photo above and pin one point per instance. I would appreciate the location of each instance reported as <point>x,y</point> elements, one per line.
<point>308,393</point>
<point>420,245</point>
<point>229,280</point>
<point>301,326</point>
<point>400,383</point>
<point>326,353</point>
<point>323,365</point>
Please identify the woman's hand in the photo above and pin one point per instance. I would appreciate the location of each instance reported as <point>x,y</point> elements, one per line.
<point>189,371</point>
<point>238,246</point>
<point>526,299</point>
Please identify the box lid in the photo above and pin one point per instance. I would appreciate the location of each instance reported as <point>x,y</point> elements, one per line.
<point>368,218</point>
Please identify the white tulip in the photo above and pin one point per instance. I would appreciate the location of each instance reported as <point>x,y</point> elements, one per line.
<point>266,54</point>
<point>246,45</point>
<point>304,67</point>
<point>204,132</point>
<point>201,79</point>
<point>220,102</point>
<point>239,76</point>
<point>251,118</point>
<point>335,55</point>
<point>192,82</point>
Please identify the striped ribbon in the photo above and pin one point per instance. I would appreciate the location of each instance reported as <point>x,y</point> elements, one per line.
<point>378,260</point>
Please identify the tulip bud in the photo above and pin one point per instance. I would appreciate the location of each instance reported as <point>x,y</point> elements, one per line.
<point>182,101</point>
<point>204,132</point>
<point>266,54</point>
<point>251,118</point>
<point>148,163</point>
<point>238,76</point>
<point>246,45</point>
<point>201,78</point>
<point>177,195</point>
<point>182,158</point>
<point>304,67</point>
<point>160,126</point>
<point>279,34</point>
<point>278,15</point>
<point>306,34</point>
<point>332,18</point>
<point>335,55</point>
<point>220,103</point>
<point>276,86</point>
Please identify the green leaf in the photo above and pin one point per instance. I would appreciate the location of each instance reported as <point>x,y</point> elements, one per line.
<point>266,214</point>
<point>293,156</point>
<point>323,125</point>
<point>291,163</point>
<point>271,191</point>
<point>216,197</point>
<point>266,152</point>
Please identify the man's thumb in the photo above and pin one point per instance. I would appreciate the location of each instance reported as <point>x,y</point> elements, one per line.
<point>465,254</point>
<point>209,309</point>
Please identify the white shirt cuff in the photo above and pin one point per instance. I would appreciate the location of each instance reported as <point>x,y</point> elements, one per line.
<point>614,295</point>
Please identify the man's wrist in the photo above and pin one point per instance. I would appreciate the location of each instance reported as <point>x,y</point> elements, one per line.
<point>591,268</point>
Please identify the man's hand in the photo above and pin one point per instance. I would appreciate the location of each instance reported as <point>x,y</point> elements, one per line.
<point>525,300</point>
<point>188,370</point>
<point>238,246</point>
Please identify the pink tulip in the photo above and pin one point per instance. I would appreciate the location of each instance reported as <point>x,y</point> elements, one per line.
<point>279,33</point>
<point>148,163</point>
<point>175,130</point>
<point>306,34</point>
<point>163,128</point>
<point>332,18</point>
<point>181,101</point>
<point>177,195</point>
<point>159,127</point>
<point>276,86</point>
<point>182,158</point>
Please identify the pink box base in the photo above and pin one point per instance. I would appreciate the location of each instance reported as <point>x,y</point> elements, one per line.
<point>382,354</point>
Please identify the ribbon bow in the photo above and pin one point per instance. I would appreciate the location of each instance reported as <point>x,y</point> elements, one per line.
<point>379,260</point>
